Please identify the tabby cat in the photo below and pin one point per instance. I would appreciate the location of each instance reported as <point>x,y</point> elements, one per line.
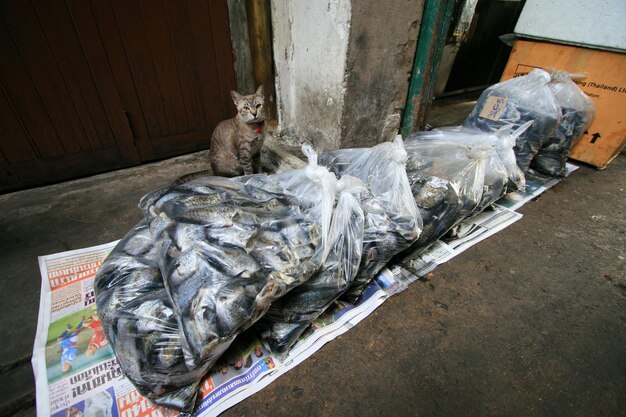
<point>236,143</point>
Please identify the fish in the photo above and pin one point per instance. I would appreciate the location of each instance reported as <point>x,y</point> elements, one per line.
<point>176,208</point>
<point>187,235</point>
<point>302,252</point>
<point>431,192</point>
<point>281,336</point>
<point>220,216</point>
<point>233,308</point>
<point>297,234</point>
<point>235,236</point>
<point>264,183</point>
<point>232,262</point>
<point>138,243</point>
<point>160,223</point>
<point>202,311</point>
<point>273,258</point>
<point>168,352</point>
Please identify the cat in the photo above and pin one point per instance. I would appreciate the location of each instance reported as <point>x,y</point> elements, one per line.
<point>236,143</point>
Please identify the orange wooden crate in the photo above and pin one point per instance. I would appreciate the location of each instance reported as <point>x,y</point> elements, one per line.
<point>605,84</point>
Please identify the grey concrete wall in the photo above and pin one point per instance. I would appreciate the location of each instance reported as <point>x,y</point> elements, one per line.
<point>383,36</point>
<point>310,40</point>
<point>342,68</point>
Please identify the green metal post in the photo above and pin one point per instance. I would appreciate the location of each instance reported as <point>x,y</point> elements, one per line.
<point>433,29</point>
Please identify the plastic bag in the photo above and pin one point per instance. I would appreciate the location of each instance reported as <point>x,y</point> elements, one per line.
<point>215,253</point>
<point>447,179</point>
<point>139,321</point>
<point>392,221</point>
<point>577,112</point>
<point>292,314</point>
<point>493,147</point>
<point>515,102</point>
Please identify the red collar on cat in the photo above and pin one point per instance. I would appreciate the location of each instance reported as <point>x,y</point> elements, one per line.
<point>258,127</point>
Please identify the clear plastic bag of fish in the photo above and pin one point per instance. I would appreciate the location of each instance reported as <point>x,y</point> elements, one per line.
<point>392,220</point>
<point>292,314</point>
<point>447,179</point>
<point>501,171</point>
<point>516,102</point>
<point>140,323</point>
<point>207,262</point>
<point>577,111</point>
<point>229,247</point>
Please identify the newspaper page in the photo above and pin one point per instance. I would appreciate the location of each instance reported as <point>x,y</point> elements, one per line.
<point>469,233</point>
<point>76,372</point>
<point>535,185</point>
<point>72,360</point>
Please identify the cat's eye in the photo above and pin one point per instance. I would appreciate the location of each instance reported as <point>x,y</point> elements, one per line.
<point>258,105</point>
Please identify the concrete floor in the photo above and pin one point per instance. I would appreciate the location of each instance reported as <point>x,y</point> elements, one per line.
<point>531,321</point>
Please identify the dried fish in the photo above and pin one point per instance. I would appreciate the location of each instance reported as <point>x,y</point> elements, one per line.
<point>516,102</point>
<point>577,111</point>
<point>388,205</point>
<point>290,316</point>
<point>208,260</point>
<point>140,322</point>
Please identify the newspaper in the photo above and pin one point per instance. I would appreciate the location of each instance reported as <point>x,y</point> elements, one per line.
<point>535,185</point>
<point>76,372</point>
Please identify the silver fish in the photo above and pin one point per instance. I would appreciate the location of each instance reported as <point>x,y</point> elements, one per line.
<point>188,235</point>
<point>237,236</point>
<point>219,216</point>
<point>231,261</point>
<point>233,308</point>
<point>265,183</point>
<point>296,234</point>
<point>302,251</point>
<point>201,327</point>
<point>159,223</point>
<point>177,208</point>
<point>139,243</point>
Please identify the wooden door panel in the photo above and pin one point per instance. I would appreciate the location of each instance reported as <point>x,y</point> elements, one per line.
<point>65,44</point>
<point>122,77</point>
<point>130,23</point>
<point>159,44</point>
<point>99,68</point>
<point>185,52</point>
<point>35,53</point>
<point>15,146</point>
<point>209,84</point>
<point>24,98</point>
<point>87,86</point>
<point>223,52</point>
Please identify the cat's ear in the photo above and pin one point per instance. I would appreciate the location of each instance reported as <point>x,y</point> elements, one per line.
<point>259,91</point>
<point>236,97</point>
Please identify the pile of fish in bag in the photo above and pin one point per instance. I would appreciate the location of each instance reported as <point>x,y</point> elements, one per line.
<point>207,261</point>
<point>213,257</point>
<point>392,221</point>
<point>556,111</point>
<point>516,102</point>
<point>455,173</point>
<point>577,112</point>
<point>291,315</point>
<point>375,218</point>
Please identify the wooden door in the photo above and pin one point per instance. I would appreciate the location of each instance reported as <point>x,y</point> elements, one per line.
<point>92,86</point>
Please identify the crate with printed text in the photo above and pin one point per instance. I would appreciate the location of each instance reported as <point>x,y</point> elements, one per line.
<point>605,83</point>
